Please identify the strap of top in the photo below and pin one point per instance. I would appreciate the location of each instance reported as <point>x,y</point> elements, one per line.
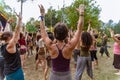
<point>59,48</point>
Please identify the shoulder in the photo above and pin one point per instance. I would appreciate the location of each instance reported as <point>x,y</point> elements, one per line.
<point>68,45</point>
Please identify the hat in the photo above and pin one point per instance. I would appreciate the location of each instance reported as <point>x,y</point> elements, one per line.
<point>117,35</point>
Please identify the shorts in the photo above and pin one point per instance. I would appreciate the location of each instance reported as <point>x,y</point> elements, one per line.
<point>23,51</point>
<point>116,61</point>
<point>18,75</point>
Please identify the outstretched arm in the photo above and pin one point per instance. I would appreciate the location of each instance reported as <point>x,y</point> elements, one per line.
<point>113,36</point>
<point>11,47</point>
<point>89,27</point>
<point>42,27</point>
<point>77,35</point>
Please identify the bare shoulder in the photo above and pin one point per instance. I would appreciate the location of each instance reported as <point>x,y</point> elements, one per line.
<point>68,45</point>
<point>52,47</point>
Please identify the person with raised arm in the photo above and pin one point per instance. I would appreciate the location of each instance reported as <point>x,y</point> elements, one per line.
<point>116,50</point>
<point>12,65</point>
<point>84,60</point>
<point>93,48</point>
<point>60,51</point>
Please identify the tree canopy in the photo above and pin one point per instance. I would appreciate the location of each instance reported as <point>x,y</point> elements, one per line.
<point>92,12</point>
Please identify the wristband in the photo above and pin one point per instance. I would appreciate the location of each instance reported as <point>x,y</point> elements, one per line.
<point>41,17</point>
<point>81,15</point>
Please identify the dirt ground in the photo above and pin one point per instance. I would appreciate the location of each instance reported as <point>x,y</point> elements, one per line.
<point>104,71</point>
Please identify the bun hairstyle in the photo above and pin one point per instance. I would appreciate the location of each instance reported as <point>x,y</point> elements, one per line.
<point>60,31</point>
<point>6,35</point>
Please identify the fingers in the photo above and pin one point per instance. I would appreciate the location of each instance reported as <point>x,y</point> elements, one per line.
<point>19,15</point>
<point>81,6</point>
<point>42,10</point>
<point>42,6</point>
<point>16,14</point>
<point>81,9</point>
<point>38,5</point>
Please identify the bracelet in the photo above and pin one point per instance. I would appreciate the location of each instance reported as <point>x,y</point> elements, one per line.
<point>81,15</point>
<point>41,17</point>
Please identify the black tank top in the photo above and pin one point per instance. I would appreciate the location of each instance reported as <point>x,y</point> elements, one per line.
<point>12,61</point>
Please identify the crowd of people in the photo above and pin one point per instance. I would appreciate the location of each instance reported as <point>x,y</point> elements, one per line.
<point>54,50</point>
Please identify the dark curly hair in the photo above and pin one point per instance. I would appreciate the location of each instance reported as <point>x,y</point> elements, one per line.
<point>5,35</point>
<point>50,35</point>
<point>38,37</point>
<point>21,35</point>
<point>86,39</point>
<point>60,31</point>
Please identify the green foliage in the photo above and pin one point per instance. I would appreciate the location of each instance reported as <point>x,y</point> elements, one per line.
<point>117,28</point>
<point>31,26</point>
<point>70,16</point>
<point>5,9</point>
<point>110,24</point>
<point>51,17</point>
<point>8,13</point>
<point>92,12</point>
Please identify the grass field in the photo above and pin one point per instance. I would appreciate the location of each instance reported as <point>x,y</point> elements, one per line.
<point>105,70</point>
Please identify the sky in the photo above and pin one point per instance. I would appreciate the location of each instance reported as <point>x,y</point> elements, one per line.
<point>110,8</point>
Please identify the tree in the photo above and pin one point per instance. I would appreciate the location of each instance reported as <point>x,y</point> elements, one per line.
<point>107,26</point>
<point>51,17</point>
<point>21,1</point>
<point>30,26</point>
<point>5,10</point>
<point>117,28</point>
<point>92,12</point>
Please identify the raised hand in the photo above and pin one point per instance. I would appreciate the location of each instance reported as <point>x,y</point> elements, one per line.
<point>81,9</point>
<point>42,10</point>
<point>10,20</point>
<point>89,21</point>
<point>111,30</point>
<point>19,16</point>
